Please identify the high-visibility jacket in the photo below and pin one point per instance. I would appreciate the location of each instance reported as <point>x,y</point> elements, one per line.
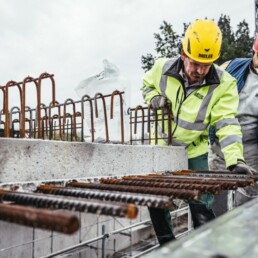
<point>215,102</point>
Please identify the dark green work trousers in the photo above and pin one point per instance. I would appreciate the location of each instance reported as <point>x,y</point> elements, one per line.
<point>200,210</point>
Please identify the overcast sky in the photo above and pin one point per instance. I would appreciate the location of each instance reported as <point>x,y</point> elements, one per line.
<point>70,38</point>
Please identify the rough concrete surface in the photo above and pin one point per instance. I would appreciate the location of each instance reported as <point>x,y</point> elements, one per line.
<point>30,160</point>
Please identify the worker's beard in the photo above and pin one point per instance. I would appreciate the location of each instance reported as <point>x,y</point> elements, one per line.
<point>195,78</point>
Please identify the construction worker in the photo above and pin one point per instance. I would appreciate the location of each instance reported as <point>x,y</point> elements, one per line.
<point>201,94</point>
<point>245,70</point>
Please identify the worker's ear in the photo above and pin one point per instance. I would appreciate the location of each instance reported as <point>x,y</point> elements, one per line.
<point>183,55</point>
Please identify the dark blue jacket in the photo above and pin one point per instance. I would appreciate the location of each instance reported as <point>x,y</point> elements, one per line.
<point>238,68</point>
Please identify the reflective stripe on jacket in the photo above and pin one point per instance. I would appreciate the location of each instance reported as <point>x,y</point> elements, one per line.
<point>214,102</point>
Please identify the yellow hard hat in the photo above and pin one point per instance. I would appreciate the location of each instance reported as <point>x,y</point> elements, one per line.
<point>202,41</point>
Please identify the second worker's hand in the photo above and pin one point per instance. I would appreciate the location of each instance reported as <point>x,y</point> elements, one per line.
<point>241,167</point>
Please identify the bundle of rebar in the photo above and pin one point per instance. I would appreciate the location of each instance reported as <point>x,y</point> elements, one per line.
<point>205,181</point>
<point>115,197</point>
<point>186,185</point>
<point>60,121</point>
<point>172,193</point>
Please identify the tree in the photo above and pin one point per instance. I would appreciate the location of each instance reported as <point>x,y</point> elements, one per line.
<point>168,42</point>
<point>228,39</point>
<point>238,44</point>
<point>147,62</point>
<point>243,42</point>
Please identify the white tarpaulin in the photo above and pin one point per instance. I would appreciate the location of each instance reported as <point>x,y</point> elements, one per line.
<point>106,82</point>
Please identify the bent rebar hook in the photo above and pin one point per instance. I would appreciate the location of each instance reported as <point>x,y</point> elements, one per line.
<point>41,77</point>
<point>73,124</point>
<point>116,92</point>
<point>84,99</point>
<point>51,119</point>
<point>6,103</point>
<point>135,121</point>
<point>105,112</point>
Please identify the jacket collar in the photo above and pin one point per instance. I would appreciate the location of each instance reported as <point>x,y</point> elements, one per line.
<point>211,78</point>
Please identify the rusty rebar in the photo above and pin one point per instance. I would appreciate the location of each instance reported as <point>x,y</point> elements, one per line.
<point>22,90</point>
<point>2,122</point>
<point>12,111</point>
<point>66,127</point>
<point>153,118</point>
<point>229,176</point>
<point>239,181</point>
<point>131,127</point>
<point>116,92</point>
<point>156,126</point>
<point>216,174</point>
<point>166,114</point>
<point>41,77</point>
<point>173,193</point>
<point>29,120</point>
<point>3,90</point>
<point>73,117</point>
<point>139,199</point>
<point>6,103</point>
<point>39,218</point>
<point>99,95</point>
<point>23,103</point>
<point>45,119</point>
<point>42,124</point>
<point>139,107</point>
<point>225,185</point>
<point>53,202</point>
<point>56,116</point>
<point>215,189</point>
<point>86,98</point>
<point>149,122</point>
<point>170,119</point>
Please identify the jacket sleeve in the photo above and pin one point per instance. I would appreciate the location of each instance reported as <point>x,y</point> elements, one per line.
<point>151,80</point>
<point>223,117</point>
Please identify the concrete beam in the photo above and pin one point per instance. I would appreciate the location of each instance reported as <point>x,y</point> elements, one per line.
<point>32,160</point>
